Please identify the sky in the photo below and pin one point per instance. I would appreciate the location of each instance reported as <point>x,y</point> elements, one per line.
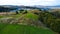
<point>30,2</point>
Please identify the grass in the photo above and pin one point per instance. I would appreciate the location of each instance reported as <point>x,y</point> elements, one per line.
<point>31,16</point>
<point>16,16</point>
<point>1,16</point>
<point>22,29</point>
<point>13,16</point>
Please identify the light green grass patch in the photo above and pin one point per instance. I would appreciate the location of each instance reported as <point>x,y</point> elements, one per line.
<point>1,16</point>
<point>31,16</point>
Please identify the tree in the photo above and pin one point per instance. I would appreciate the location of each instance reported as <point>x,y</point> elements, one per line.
<point>17,12</point>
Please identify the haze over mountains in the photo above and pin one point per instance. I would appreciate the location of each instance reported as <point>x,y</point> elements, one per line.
<point>15,7</point>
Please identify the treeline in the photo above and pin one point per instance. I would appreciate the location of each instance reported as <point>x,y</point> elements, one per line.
<point>50,20</point>
<point>6,9</point>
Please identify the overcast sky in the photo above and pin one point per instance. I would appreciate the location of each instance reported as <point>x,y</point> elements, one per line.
<point>30,2</point>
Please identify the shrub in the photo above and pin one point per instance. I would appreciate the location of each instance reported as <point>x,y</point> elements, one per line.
<point>50,21</point>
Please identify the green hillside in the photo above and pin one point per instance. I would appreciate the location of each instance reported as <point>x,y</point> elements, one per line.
<point>23,29</point>
<point>25,23</point>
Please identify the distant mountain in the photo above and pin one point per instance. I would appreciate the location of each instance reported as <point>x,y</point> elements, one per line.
<point>54,7</point>
<point>12,7</point>
<point>4,8</point>
<point>49,7</point>
<point>8,6</point>
<point>42,7</point>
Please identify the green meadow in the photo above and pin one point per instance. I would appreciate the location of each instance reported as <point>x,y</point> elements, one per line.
<point>23,29</point>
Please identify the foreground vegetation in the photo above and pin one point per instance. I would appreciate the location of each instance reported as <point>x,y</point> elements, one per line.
<point>30,22</point>
<point>23,29</point>
<point>50,20</point>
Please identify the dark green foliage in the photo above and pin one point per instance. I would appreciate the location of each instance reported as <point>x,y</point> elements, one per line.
<point>17,12</point>
<point>21,11</point>
<point>36,13</point>
<point>25,12</point>
<point>57,14</point>
<point>50,21</point>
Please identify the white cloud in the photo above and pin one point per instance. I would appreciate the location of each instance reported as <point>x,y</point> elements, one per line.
<point>28,2</point>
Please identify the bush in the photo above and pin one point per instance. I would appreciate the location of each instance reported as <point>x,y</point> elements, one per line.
<point>50,21</point>
<point>25,12</point>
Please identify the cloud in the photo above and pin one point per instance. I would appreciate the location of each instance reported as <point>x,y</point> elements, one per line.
<point>29,2</point>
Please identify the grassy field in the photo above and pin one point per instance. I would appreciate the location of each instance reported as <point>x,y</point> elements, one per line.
<point>1,16</point>
<point>31,16</point>
<point>22,29</point>
<point>13,16</point>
